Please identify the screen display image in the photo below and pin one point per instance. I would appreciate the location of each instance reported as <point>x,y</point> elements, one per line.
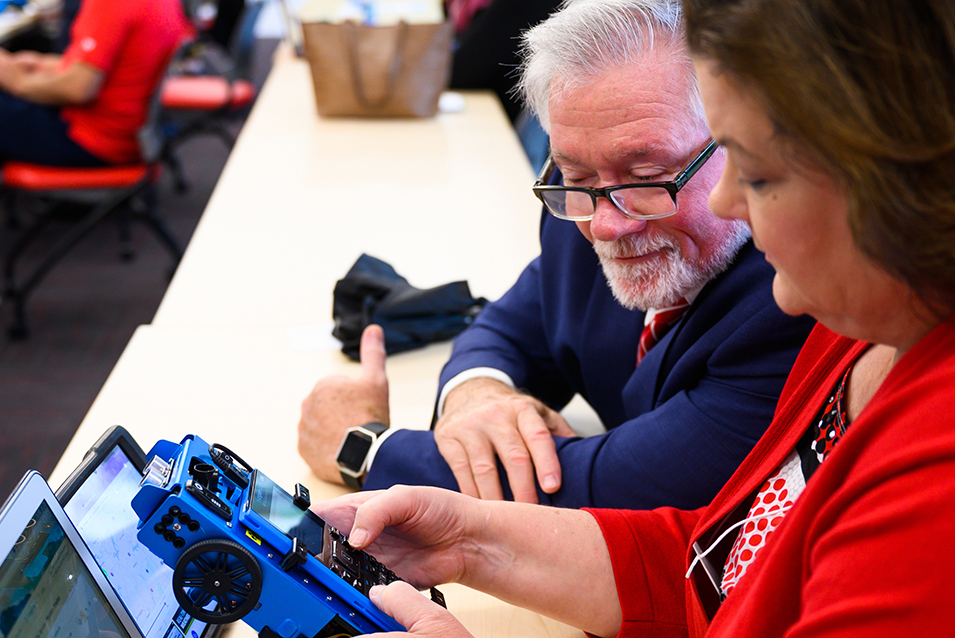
<point>360,570</point>
<point>101,511</point>
<point>46,591</point>
<point>276,506</point>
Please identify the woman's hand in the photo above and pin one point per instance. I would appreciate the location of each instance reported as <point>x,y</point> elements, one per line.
<point>413,611</point>
<point>419,533</point>
<point>551,560</point>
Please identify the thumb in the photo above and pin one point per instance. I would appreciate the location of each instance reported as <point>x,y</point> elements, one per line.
<point>372,354</point>
<point>414,612</point>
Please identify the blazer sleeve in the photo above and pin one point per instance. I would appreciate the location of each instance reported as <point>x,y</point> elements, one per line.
<point>547,331</point>
<point>683,448</point>
<point>679,453</point>
<point>509,335</point>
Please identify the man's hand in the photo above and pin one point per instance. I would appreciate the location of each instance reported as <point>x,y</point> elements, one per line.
<point>483,420</point>
<point>34,62</point>
<point>9,70</point>
<point>38,79</point>
<point>338,403</point>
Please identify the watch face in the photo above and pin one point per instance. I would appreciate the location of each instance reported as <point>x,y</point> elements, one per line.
<point>354,450</point>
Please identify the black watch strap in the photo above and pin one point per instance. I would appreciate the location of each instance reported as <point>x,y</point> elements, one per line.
<point>375,426</point>
<point>353,482</point>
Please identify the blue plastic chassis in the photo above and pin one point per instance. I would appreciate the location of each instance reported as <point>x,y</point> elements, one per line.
<point>300,600</point>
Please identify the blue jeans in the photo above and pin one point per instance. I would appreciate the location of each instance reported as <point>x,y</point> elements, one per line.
<point>35,133</point>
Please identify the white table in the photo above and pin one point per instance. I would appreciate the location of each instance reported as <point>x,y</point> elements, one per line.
<point>302,197</point>
<point>241,386</point>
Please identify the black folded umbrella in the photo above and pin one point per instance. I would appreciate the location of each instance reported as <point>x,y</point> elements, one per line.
<point>372,292</point>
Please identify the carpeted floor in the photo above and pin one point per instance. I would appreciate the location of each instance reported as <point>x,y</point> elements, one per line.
<point>81,317</point>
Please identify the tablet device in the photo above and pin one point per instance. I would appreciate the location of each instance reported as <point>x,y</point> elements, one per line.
<point>50,585</point>
<point>97,497</point>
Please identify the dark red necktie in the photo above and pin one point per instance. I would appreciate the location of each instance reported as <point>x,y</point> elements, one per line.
<point>661,323</point>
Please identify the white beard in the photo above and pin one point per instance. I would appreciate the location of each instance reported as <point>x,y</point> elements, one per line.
<point>664,280</point>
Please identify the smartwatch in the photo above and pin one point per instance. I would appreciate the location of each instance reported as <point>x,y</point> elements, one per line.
<point>352,457</point>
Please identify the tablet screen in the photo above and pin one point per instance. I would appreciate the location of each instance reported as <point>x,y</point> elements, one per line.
<point>47,592</point>
<point>100,508</point>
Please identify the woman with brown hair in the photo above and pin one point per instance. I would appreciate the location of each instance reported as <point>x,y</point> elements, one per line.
<point>837,121</point>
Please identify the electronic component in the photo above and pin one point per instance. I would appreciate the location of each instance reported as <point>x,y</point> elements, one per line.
<point>243,548</point>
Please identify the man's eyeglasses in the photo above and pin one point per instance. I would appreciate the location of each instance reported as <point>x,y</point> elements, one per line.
<point>645,200</point>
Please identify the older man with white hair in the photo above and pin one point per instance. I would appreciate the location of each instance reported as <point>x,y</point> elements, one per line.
<point>659,314</point>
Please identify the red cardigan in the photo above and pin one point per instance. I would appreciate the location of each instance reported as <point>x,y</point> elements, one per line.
<point>866,550</point>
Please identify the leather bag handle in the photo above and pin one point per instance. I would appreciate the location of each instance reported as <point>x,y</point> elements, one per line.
<point>351,34</point>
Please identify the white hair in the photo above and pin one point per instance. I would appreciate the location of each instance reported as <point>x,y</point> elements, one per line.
<point>586,37</point>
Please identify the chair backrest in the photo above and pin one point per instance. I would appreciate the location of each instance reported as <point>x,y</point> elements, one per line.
<point>244,40</point>
<point>151,136</point>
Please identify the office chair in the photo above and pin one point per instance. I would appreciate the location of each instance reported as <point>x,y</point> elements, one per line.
<point>89,196</point>
<point>210,89</point>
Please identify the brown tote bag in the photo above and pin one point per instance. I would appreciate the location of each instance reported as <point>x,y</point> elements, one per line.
<point>398,70</point>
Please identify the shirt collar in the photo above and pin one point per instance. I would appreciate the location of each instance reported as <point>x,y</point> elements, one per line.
<point>652,312</point>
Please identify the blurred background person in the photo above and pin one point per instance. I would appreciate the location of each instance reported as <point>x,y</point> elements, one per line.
<point>487,56</point>
<point>84,107</point>
<point>487,42</point>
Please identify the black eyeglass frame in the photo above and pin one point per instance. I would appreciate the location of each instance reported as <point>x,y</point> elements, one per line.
<point>672,187</point>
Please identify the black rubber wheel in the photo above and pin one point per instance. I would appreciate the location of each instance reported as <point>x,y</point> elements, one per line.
<point>217,570</point>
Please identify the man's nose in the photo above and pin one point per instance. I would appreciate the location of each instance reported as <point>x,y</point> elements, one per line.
<point>610,224</point>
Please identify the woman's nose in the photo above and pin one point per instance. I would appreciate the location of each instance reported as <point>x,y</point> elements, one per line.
<point>727,199</point>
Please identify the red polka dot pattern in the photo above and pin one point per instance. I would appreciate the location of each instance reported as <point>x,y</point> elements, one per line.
<point>782,489</point>
<point>777,495</point>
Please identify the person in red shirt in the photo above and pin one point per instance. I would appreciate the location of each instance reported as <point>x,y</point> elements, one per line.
<point>84,107</point>
<point>837,118</point>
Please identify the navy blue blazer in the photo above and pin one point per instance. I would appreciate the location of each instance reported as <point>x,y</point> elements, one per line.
<point>678,425</point>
